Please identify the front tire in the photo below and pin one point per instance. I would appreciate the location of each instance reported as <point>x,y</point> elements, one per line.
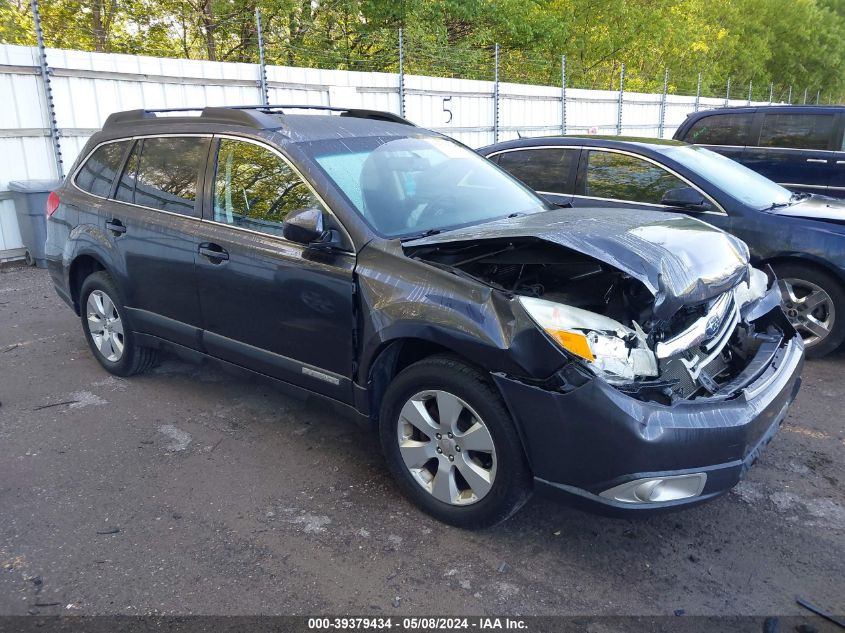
<point>814,302</point>
<point>451,445</point>
<point>107,331</point>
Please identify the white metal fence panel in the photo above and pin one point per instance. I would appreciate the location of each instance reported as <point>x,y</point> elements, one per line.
<point>87,87</point>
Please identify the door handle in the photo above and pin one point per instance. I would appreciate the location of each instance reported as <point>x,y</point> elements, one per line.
<point>116,227</point>
<point>840,162</point>
<point>817,160</point>
<point>213,252</point>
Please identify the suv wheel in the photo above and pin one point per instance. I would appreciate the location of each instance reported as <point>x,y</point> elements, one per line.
<point>106,330</point>
<point>450,443</point>
<point>814,303</point>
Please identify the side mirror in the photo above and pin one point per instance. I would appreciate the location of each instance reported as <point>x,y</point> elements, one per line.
<point>305,226</point>
<point>685,198</point>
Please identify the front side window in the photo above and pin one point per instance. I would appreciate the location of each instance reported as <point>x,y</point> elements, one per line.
<point>721,129</point>
<point>97,174</point>
<point>623,177</point>
<point>407,186</point>
<point>255,189</point>
<point>729,176</point>
<point>801,131</point>
<point>545,170</point>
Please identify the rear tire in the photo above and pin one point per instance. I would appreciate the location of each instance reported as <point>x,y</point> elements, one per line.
<point>814,302</point>
<point>442,418</point>
<point>107,330</point>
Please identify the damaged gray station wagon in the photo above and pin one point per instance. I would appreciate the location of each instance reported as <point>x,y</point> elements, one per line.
<point>630,361</point>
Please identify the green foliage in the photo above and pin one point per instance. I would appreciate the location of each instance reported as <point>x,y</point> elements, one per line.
<point>789,42</point>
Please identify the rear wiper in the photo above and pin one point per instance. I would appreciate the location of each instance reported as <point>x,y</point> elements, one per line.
<point>418,236</point>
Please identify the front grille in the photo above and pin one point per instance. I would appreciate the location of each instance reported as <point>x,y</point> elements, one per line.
<point>701,364</point>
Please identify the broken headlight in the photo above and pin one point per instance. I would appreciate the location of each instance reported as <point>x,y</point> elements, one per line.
<point>609,348</point>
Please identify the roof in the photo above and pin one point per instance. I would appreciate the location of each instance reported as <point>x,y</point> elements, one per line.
<point>804,108</point>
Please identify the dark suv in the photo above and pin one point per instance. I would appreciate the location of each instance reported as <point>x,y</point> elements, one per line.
<point>633,362</point>
<point>799,147</point>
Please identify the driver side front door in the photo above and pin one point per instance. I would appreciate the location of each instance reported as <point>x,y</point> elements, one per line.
<point>271,305</point>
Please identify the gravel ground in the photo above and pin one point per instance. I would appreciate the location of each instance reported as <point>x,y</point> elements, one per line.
<point>189,491</point>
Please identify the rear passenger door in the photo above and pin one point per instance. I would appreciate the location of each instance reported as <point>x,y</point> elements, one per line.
<point>795,150</point>
<point>274,306</point>
<point>726,133</point>
<point>152,223</point>
<point>550,171</point>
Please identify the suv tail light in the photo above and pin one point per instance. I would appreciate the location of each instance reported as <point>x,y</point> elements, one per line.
<point>52,203</point>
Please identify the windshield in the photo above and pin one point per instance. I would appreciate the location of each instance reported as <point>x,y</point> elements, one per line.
<point>734,179</point>
<point>406,187</point>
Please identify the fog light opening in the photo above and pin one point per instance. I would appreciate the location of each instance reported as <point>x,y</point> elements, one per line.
<point>658,489</point>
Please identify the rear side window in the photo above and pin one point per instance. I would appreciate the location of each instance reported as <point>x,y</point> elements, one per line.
<point>721,129</point>
<point>162,173</point>
<point>801,131</point>
<point>126,187</point>
<point>545,170</point>
<point>97,174</point>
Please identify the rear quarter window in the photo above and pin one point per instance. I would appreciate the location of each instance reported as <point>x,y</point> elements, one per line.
<point>800,131</point>
<point>98,172</point>
<point>721,129</point>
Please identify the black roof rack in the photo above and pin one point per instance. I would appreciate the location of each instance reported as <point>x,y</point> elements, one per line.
<point>255,116</point>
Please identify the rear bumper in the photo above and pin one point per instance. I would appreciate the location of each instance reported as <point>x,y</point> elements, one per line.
<point>594,437</point>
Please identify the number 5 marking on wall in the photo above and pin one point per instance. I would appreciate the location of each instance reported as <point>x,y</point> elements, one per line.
<point>445,109</point>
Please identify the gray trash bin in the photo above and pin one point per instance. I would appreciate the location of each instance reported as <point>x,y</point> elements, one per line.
<point>30,198</point>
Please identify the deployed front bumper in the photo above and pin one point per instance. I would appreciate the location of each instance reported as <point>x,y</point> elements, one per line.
<point>594,438</point>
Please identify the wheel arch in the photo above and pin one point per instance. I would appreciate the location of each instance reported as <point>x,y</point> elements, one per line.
<point>82,266</point>
<point>395,355</point>
<point>806,260</point>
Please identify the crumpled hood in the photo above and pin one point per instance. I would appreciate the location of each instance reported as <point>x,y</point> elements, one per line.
<point>681,260</point>
<point>815,208</point>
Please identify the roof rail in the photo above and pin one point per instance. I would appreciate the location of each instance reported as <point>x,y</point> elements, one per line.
<point>255,116</point>
<point>358,113</point>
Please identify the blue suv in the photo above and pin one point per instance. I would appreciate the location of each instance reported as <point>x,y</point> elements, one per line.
<point>799,147</point>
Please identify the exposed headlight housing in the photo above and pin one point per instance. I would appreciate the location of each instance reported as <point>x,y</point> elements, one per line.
<point>609,348</point>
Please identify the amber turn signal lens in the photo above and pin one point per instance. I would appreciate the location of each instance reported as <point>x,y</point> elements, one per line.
<point>575,343</point>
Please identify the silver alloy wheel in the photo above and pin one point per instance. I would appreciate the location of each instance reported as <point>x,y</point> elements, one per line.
<point>105,326</point>
<point>446,447</point>
<point>809,308</point>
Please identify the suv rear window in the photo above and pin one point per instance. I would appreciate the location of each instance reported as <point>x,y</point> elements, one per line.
<point>167,172</point>
<point>800,131</point>
<point>721,129</point>
<point>98,172</point>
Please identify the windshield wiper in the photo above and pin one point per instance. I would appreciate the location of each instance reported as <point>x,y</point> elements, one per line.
<point>795,197</point>
<point>798,197</point>
<point>778,205</point>
<point>418,236</point>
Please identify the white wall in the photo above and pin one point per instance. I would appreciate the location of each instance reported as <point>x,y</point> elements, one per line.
<point>87,87</point>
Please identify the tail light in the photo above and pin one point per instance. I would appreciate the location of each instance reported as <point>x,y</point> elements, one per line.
<point>52,203</point>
